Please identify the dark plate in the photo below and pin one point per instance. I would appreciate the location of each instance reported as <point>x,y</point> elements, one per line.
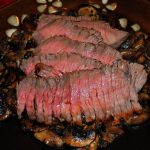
<point>11,135</point>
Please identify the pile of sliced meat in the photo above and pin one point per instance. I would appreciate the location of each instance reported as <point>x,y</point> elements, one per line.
<point>76,73</point>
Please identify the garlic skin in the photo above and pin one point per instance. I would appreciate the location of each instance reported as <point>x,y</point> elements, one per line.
<point>13,20</point>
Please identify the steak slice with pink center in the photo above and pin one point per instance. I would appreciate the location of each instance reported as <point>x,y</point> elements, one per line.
<point>61,44</point>
<point>111,36</point>
<point>82,98</point>
<point>69,29</point>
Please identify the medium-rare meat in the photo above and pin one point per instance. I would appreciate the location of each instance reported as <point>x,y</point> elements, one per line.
<point>97,94</point>
<point>111,36</point>
<point>59,44</point>
<point>45,19</point>
<point>69,29</point>
<point>63,62</point>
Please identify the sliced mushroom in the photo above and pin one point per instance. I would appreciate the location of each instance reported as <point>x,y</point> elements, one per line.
<point>49,138</point>
<point>76,141</point>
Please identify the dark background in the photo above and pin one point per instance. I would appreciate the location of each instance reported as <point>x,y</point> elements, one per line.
<point>13,138</point>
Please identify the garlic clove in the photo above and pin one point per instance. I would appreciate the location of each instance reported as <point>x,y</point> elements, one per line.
<point>111,6</point>
<point>23,17</point>
<point>57,3</point>
<point>52,10</point>
<point>123,22</point>
<point>13,20</point>
<point>104,10</point>
<point>41,8</point>
<point>104,2</point>
<point>41,1</point>
<point>136,27</point>
<point>50,1</point>
<point>9,32</point>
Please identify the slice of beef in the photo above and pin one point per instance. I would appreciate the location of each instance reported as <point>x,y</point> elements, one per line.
<point>63,62</point>
<point>59,44</point>
<point>44,19</point>
<point>87,92</point>
<point>111,36</point>
<point>69,29</point>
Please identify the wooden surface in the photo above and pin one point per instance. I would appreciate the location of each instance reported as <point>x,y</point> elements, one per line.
<point>137,11</point>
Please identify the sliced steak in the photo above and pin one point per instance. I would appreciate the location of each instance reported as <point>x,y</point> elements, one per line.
<point>63,62</point>
<point>111,36</point>
<point>44,19</point>
<point>69,29</point>
<point>87,93</point>
<point>59,44</point>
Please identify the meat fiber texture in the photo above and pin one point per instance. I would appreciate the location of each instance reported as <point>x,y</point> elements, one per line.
<point>69,29</point>
<point>111,36</point>
<point>74,74</point>
<point>59,44</point>
<point>63,62</point>
<point>95,93</point>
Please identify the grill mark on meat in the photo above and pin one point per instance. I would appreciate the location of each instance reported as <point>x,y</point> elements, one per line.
<point>57,100</point>
<point>80,86</point>
<point>111,36</point>
<point>39,100</point>
<point>88,100</point>
<point>69,29</point>
<point>68,98</point>
<point>117,106</point>
<point>121,98</point>
<point>108,79</point>
<point>104,97</point>
<point>30,100</point>
<point>99,97</point>
<point>45,98</point>
<point>53,100</point>
<point>75,99</point>
<point>63,62</point>
<point>113,99</point>
<point>21,95</point>
<point>51,88</point>
<point>60,44</point>
<point>95,102</point>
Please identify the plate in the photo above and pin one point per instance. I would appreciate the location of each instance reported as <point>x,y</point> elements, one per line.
<point>11,135</point>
